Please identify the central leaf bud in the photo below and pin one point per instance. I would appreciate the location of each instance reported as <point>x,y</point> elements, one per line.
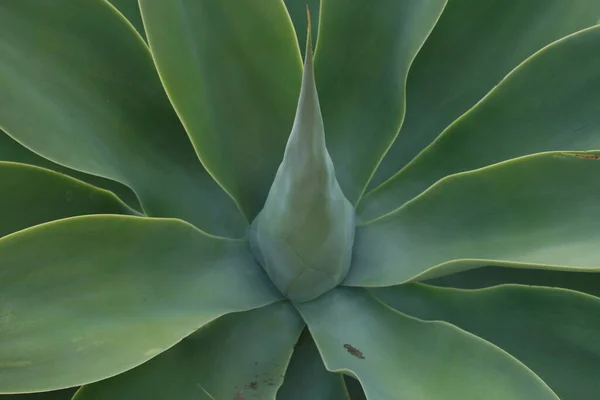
<point>304,234</point>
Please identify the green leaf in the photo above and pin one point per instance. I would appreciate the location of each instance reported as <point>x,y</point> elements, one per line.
<point>307,378</point>
<point>538,211</point>
<point>585,282</point>
<point>66,394</point>
<point>297,11</point>
<point>362,58</point>
<point>239,356</point>
<point>99,295</point>
<point>32,195</point>
<point>303,236</point>
<point>355,390</point>
<point>396,356</point>
<point>553,331</point>
<point>232,70</point>
<point>548,103</point>
<point>79,87</point>
<point>130,10</point>
<point>472,47</point>
<point>11,150</point>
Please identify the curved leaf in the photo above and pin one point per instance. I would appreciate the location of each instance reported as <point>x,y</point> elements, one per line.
<point>10,150</point>
<point>585,282</point>
<point>297,11</point>
<point>539,211</point>
<point>472,47</point>
<point>232,70</point>
<point>307,378</point>
<point>553,331</point>
<point>79,87</point>
<point>398,357</point>
<point>548,103</point>
<point>130,10</point>
<point>355,390</point>
<point>239,356</point>
<point>66,394</point>
<point>362,58</point>
<point>86,298</point>
<point>32,196</point>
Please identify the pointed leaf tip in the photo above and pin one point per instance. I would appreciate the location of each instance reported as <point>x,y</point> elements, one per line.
<point>303,236</point>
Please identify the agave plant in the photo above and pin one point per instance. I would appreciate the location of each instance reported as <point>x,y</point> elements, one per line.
<point>193,208</point>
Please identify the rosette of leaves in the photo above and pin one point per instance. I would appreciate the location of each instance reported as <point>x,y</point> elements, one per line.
<point>191,207</point>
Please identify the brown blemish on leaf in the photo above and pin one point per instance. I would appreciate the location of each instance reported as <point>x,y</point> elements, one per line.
<point>252,385</point>
<point>239,396</point>
<point>588,156</point>
<point>354,351</point>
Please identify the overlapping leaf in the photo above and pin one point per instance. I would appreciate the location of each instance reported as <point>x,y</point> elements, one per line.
<point>548,103</point>
<point>86,298</point>
<point>553,331</point>
<point>79,87</point>
<point>538,211</point>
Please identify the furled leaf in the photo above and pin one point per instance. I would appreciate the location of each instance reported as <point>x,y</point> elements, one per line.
<point>362,58</point>
<point>398,357</point>
<point>232,70</point>
<point>239,356</point>
<point>32,195</point>
<point>539,211</point>
<point>79,87</point>
<point>307,378</point>
<point>297,11</point>
<point>303,236</point>
<point>548,103</point>
<point>585,282</point>
<point>11,150</point>
<point>472,47</point>
<point>130,10</point>
<point>86,298</point>
<point>553,331</point>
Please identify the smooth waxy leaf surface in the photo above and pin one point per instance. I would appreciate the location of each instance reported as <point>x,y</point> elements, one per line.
<point>553,331</point>
<point>130,10</point>
<point>239,356</point>
<point>585,282</point>
<point>86,298</point>
<point>303,236</point>
<point>79,87</point>
<point>232,70</point>
<point>398,357</point>
<point>362,58</point>
<point>297,11</point>
<point>31,195</point>
<point>548,103</point>
<point>538,211</point>
<point>10,150</point>
<point>66,394</point>
<point>472,47</point>
<point>307,378</point>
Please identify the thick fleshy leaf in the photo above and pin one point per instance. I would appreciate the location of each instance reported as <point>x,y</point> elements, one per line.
<point>548,103</point>
<point>472,47</point>
<point>398,357</point>
<point>130,10</point>
<point>232,70</point>
<point>362,58</point>
<point>297,11</point>
<point>303,236</point>
<point>66,394</point>
<point>553,331</point>
<point>85,298</point>
<point>585,282</point>
<point>307,378</point>
<point>79,87</point>
<point>10,150</point>
<point>355,390</point>
<point>540,211</point>
<point>239,356</point>
<point>31,195</point>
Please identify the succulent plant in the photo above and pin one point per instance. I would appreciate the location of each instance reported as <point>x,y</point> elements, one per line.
<point>191,207</point>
